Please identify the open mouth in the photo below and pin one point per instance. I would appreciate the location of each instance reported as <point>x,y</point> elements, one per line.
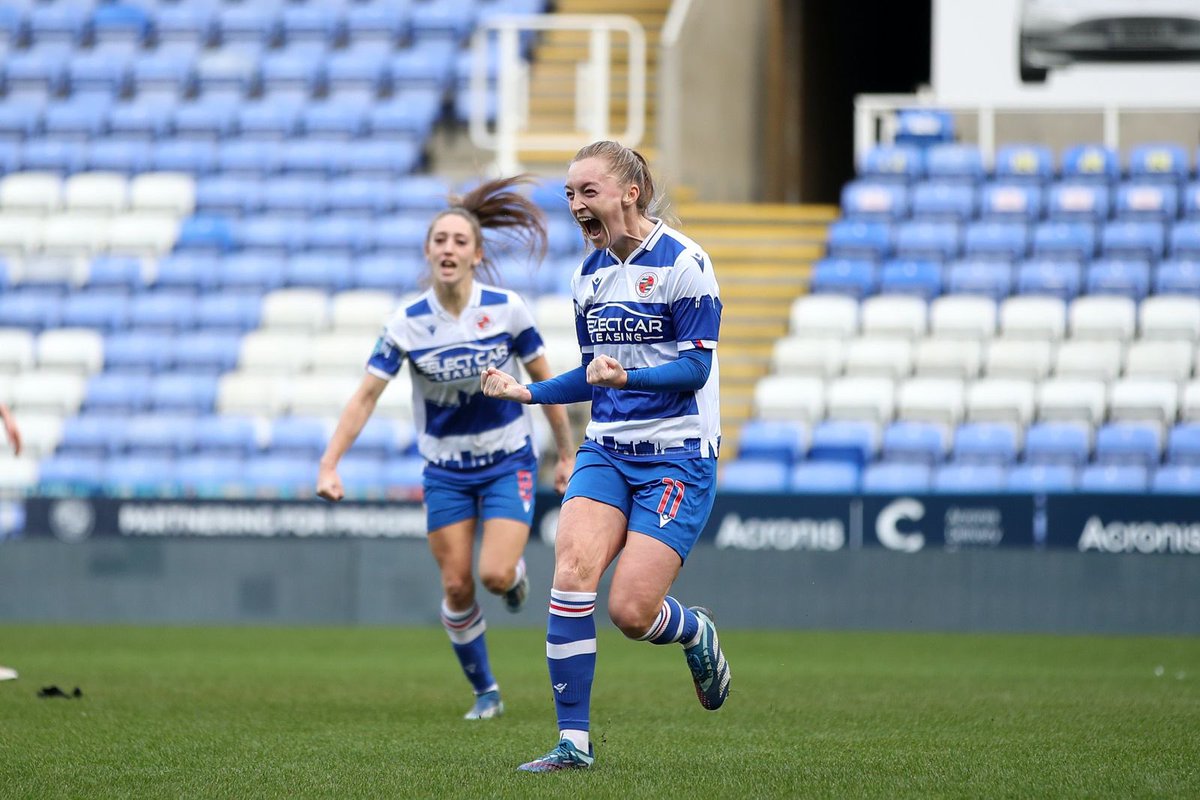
<point>591,227</point>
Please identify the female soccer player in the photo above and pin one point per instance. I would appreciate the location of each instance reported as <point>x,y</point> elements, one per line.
<point>480,459</point>
<point>647,318</point>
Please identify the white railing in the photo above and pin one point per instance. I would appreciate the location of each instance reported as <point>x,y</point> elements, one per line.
<point>670,90</point>
<point>593,82</point>
<point>875,117</point>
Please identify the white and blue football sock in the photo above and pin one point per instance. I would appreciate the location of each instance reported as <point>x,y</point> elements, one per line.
<point>466,629</point>
<point>571,655</point>
<point>674,623</point>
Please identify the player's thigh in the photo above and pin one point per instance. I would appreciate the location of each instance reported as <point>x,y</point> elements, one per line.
<point>452,547</point>
<point>503,543</point>
<point>642,578</point>
<point>590,534</point>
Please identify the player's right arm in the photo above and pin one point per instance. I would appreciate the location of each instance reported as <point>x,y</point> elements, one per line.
<point>354,416</point>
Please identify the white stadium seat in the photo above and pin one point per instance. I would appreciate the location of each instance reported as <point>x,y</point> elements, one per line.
<point>1170,316</point>
<point>84,234</point>
<point>1033,317</point>
<point>876,355</point>
<point>16,350</point>
<point>362,310</point>
<point>1189,406</point>
<point>67,268</point>
<point>321,394</point>
<point>1000,400</point>
<point>342,353</point>
<point>824,315</point>
<point>48,391</point>
<point>554,312</point>
<point>1144,399</point>
<point>1088,358</point>
<point>164,192</point>
<point>562,353</point>
<point>941,400</point>
<point>1162,358</point>
<point>1019,358</point>
<point>790,397</point>
<point>17,474</point>
<point>275,352</point>
<point>1103,317</point>
<point>950,358</point>
<point>20,234</point>
<point>796,355</point>
<point>295,310</point>
<point>963,316</point>
<point>397,401</point>
<point>894,315</point>
<point>869,398</point>
<point>1075,400</point>
<point>74,349</point>
<point>31,193</point>
<point>96,193</point>
<point>247,393</point>
<point>143,234</point>
<point>40,433</point>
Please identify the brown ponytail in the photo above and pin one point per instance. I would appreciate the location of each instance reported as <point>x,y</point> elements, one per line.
<point>497,205</point>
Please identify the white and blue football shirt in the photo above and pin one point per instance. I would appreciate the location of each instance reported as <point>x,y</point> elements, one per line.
<point>457,426</point>
<point>643,312</point>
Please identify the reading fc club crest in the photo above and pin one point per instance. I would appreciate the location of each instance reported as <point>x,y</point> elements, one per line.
<point>483,321</point>
<point>646,283</point>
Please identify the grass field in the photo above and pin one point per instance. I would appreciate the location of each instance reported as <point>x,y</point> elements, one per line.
<point>321,712</point>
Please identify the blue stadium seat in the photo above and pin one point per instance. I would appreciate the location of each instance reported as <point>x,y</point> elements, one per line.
<point>251,24</point>
<point>409,116</point>
<point>403,233</point>
<point>969,478</point>
<point>209,476</point>
<point>1163,162</point>
<point>854,441</point>
<point>94,435</point>
<point>851,239</point>
<point>248,157</point>
<point>436,19</point>
<point>896,478</point>
<point>220,435</point>
<point>378,439</point>
<point>1129,443</point>
<point>261,271</point>
<point>1185,240</point>
<point>329,271</point>
<point>1190,202</point>
<point>1177,277</point>
<point>1114,478</point>
<point>385,158</point>
<point>165,310</point>
<point>1027,163</point>
<point>118,155</point>
<point>1042,478</point>
<point>1075,240</point>
<point>1010,202</point>
<point>959,163</point>
<point>163,76</point>
<point>299,436</point>
<point>333,120</point>
<point>19,120</point>
<point>290,77</point>
<point>186,271</point>
<point>116,272</point>
<point>385,272</point>
<point>283,476</point>
<point>104,310</point>
<point>996,240</point>
<point>911,276</point>
<point>127,393</point>
<point>138,476</point>
<point>404,473</point>
<point>294,195</point>
<point>903,163</point>
<point>70,474</point>
<point>985,442</point>
<point>228,195</point>
<point>208,120</point>
<point>424,65</point>
<point>139,351</point>
<point>313,158</point>
<point>74,121</point>
<point>943,202</point>
<point>230,311</point>
<point>1132,240</point>
<point>59,23</point>
<point>933,240</point>
<point>376,26</point>
<point>195,157</point>
<point>184,25</point>
<point>1182,479</point>
<point>35,309</point>
<point>270,234</point>
<point>1049,276</point>
<point>924,126</point>
<point>1116,276</point>
<point>35,73</point>
<point>339,235</point>
<point>914,441</point>
<point>855,277</point>
<point>772,440</point>
<point>1092,162</point>
<point>752,475</point>
<point>160,434</point>
<point>874,200</point>
<point>10,156</point>
<point>207,351</point>
<point>366,196</point>
<point>311,23</point>
<point>12,27</point>
<point>991,278</point>
<point>356,73</point>
<point>119,24</point>
<point>53,156</point>
<point>1074,201</point>
<point>1183,444</point>
<point>102,74</point>
<point>1057,443</point>
<point>1147,202</point>
<point>824,477</point>
<point>268,120</point>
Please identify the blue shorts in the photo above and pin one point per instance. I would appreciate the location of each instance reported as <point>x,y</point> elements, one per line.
<point>454,498</point>
<point>665,499</point>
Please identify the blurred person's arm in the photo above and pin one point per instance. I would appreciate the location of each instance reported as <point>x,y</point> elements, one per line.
<point>556,415</point>
<point>354,416</point>
<point>11,429</point>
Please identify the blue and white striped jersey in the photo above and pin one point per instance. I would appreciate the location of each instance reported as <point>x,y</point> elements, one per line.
<point>643,312</point>
<point>457,426</point>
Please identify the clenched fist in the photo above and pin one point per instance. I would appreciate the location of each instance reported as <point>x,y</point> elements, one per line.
<point>499,384</point>
<point>606,371</point>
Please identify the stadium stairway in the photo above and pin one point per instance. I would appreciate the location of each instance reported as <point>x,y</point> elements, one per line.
<point>763,254</point>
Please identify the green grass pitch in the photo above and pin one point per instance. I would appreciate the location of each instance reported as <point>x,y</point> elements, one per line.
<point>375,712</point>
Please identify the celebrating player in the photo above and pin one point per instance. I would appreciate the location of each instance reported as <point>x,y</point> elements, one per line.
<point>480,459</point>
<point>648,313</point>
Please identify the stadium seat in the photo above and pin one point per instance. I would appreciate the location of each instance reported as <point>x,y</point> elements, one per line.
<point>823,357</point>
<point>907,440</point>
<point>1071,201</point>
<point>344,353</point>
<point>93,435</point>
<point>1103,317</point>
<point>296,309</point>
<point>1042,478</point>
<point>105,311</point>
<point>220,435</point>
<point>756,476</point>
<point>1073,399</point>
<point>1160,162</point>
<point>894,315</point>
<point>937,201</point>
<point>1171,359</point>
<point>247,394</point>
<point>1144,399</point>
<point>16,350</point>
<point>1169,317</point>
<point>853,277</point>
<point>896,478</point>
<point>989,239</point>
<point>1183,444</point>
<point>1058,443</point>
<point>32,192</point>
<point>116,273</point>
<point>1056,278</point>
<point>909,276</point>
<point>1070,240</point>
<point>1129,443</point>
<point>979,277</point>
<point>1133,240</point>
<point>962,317</point>
<point>988,442</point>
<point>175,310</point>
<point>823,477</point>
<point>1147,202</point>
<point>874,201</point>
<point>788,397</point>
<point>299,436</point>
<point>1029,163</point>
<point>777,440</point>
<point>206,351</point>
<point>999,399</point>
<point>853,441</point>
<point>1181,479</point>
<point>926,240</point>
<point>34,310</point>
<point>186,271</point>
<point>1118,276</point>
<point>160,434</point>
<point>857,239</point>
<point>321,394</point>
<point>209,476</point>
<point>117,392</point>
<point>900,163</point>
<point>948,358</point>
<point>141,351</point>
<point>1010,202</point>
<point>940,400</point>
<point>71,350</point>
<point>861,398</point>
<point>266,352</point>
<point>183,392</point>
<point>1183,242</point>
<point>1090,162</point>
<point>878,355</point>
<point>1177,277</point>
<point>118,155</point>
<point>183,155</point>
<point>969,478</point>
<point>956,163</point>
<point>1114,478</point>
<point>49,391</point>
<point>1033,317</point>
<point>824,315</point>
<point>361,310</point>
<point>1086,358</point>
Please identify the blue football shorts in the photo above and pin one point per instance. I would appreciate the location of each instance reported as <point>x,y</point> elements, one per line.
<point>666,499</point>
<point>507,495</point>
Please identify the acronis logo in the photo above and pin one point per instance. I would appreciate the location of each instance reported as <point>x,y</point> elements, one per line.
<point>461,361</point>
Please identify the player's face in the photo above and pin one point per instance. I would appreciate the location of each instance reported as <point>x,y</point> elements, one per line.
<point>597,201</point>
<point>452,250</point>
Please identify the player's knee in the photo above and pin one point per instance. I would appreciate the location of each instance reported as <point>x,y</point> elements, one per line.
<point>630,618</point>
<point>494,580</point>
<point>459,590</point>
<point>573,575</point>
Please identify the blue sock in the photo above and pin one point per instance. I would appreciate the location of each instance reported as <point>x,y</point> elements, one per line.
<point>466,637</point>
<point>674,623</point>
<point>571,654</point>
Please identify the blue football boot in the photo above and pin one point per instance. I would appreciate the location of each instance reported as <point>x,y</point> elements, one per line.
<point>565,755</point>
<point>710,670</point>
<point>487,706</point>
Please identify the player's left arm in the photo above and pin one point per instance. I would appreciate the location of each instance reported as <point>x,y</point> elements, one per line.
<point>539,370</point>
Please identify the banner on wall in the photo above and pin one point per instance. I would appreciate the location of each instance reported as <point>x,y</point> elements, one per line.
<point>1105,524</point>
<point>1115,51</point>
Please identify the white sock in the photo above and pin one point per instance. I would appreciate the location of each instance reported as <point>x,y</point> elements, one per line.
<point>577,738</point>
<point>518,574</point>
